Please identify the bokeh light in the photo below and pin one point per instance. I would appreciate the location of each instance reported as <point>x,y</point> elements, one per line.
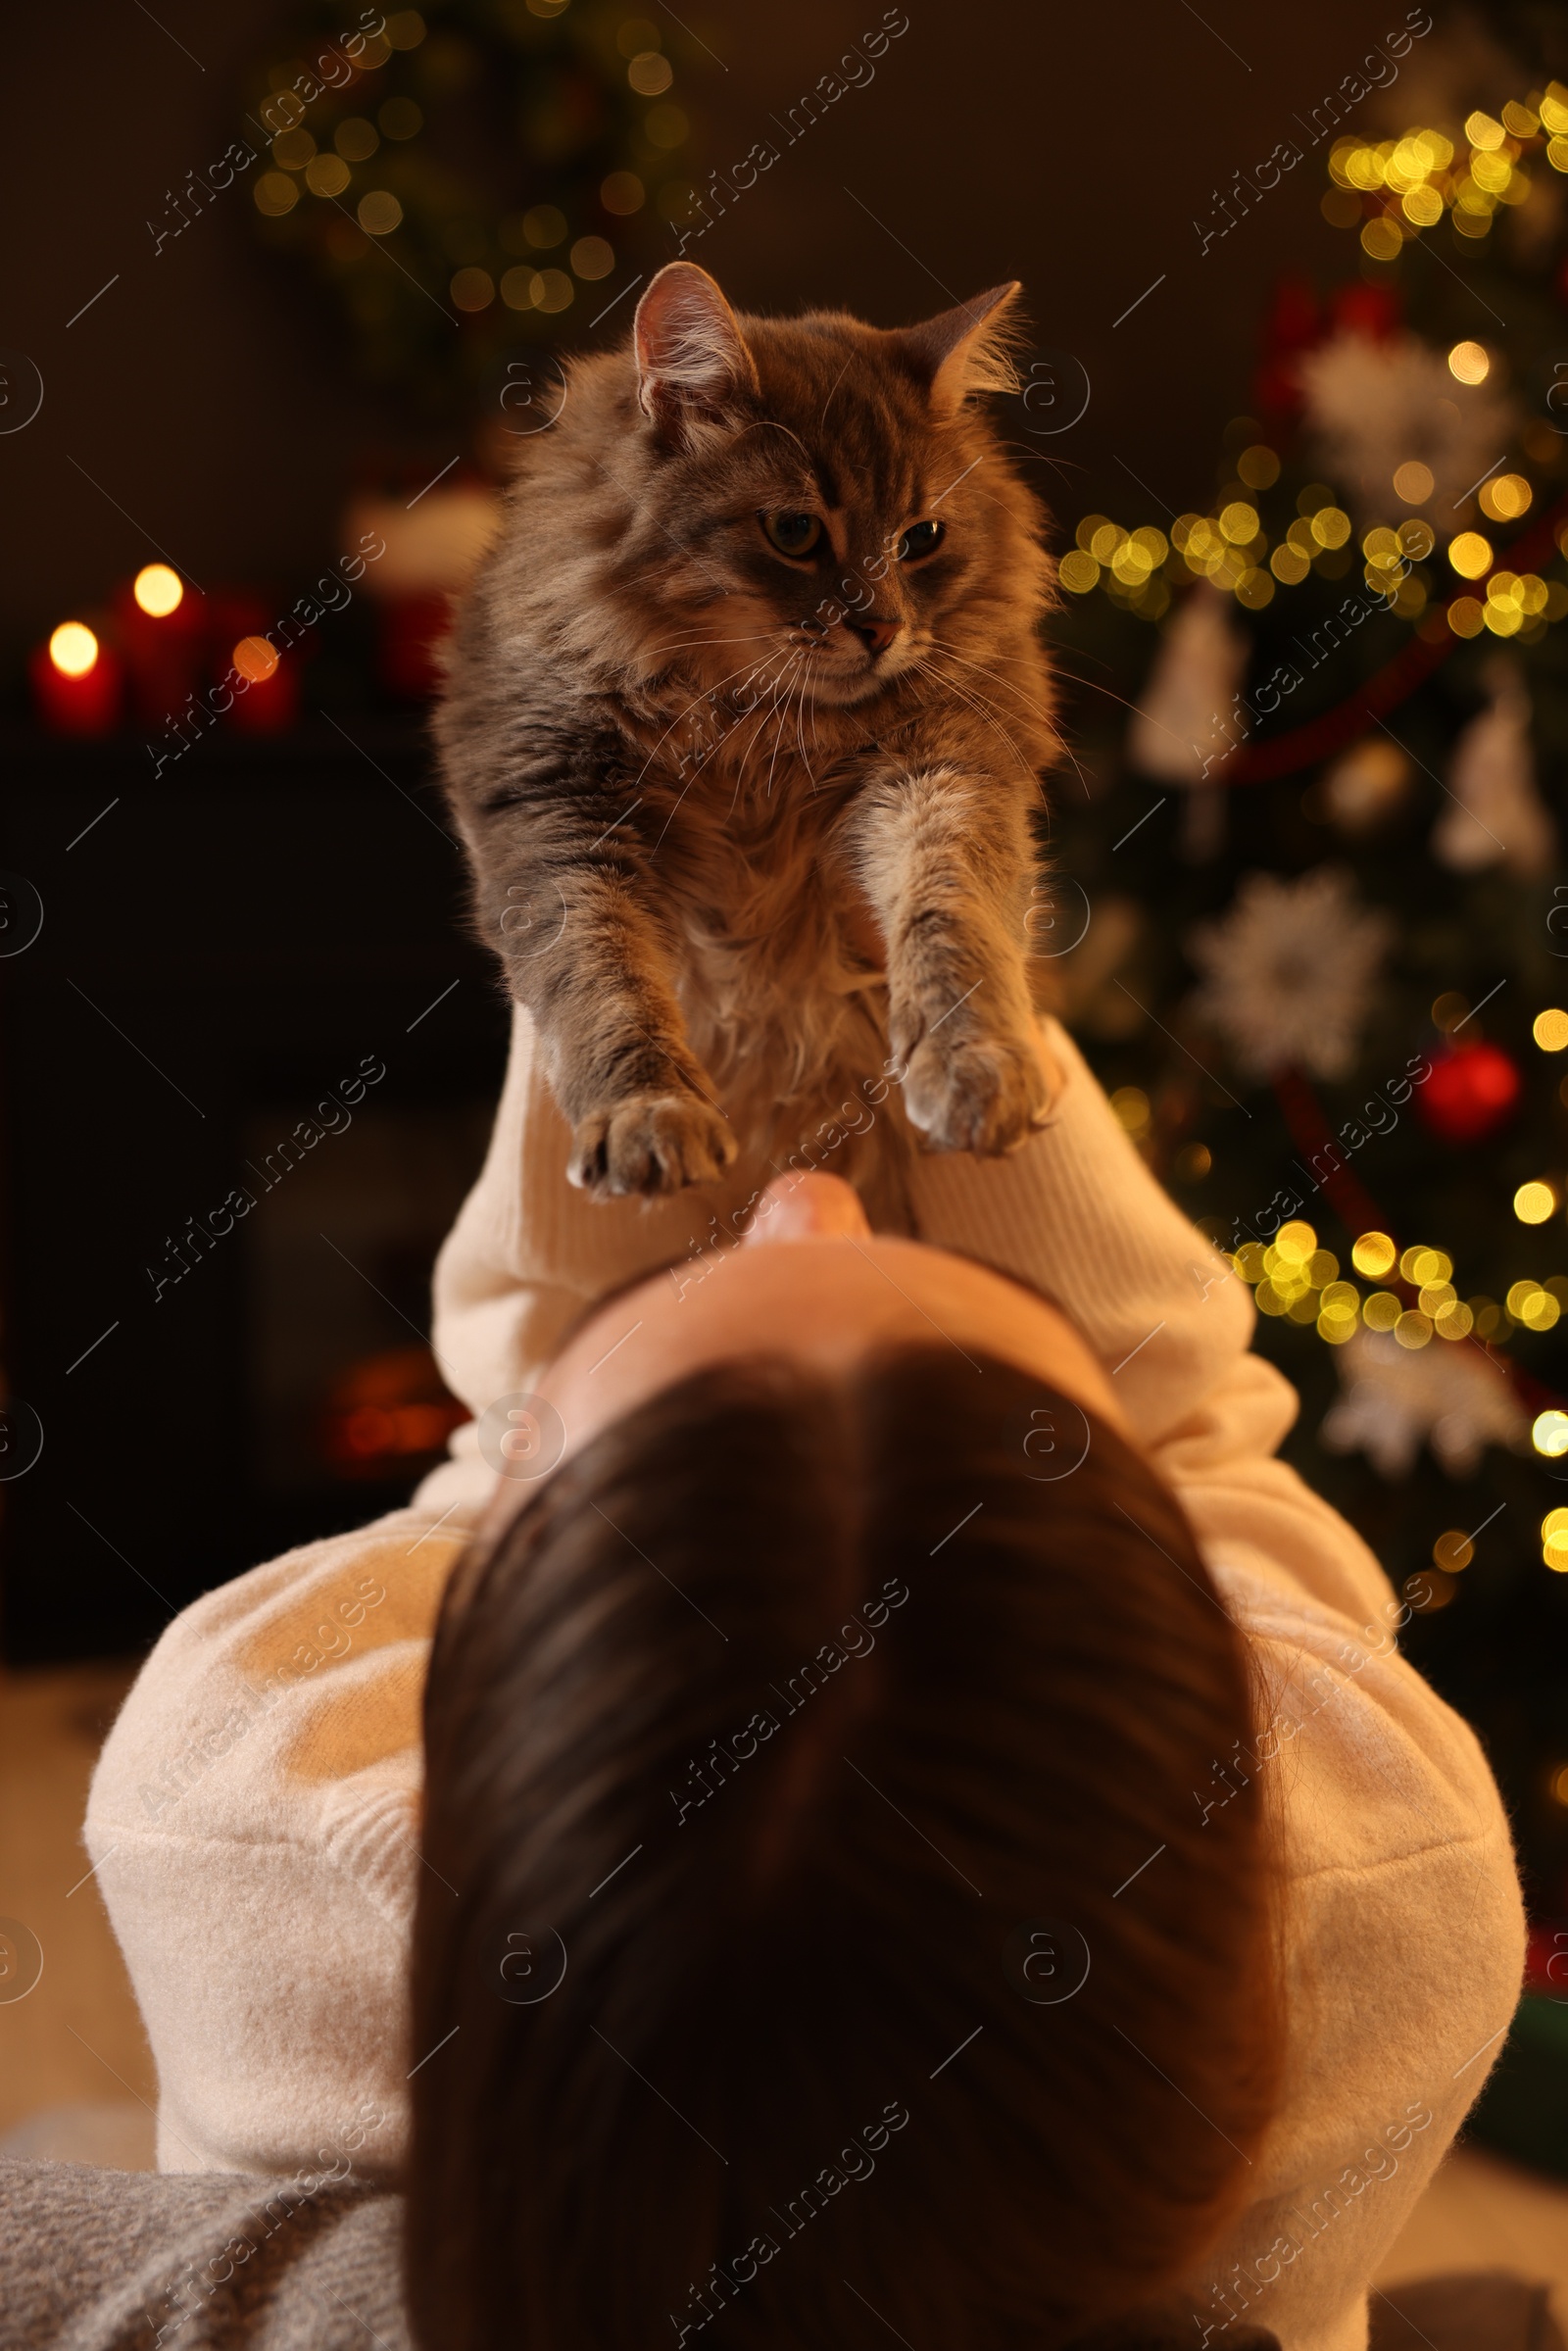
<point>1549,1433</point>
<point>1373,1256</point>
<point>157,590</point>
<point>254,657</point>
<point>73,649</point>
<point>1470,554</point>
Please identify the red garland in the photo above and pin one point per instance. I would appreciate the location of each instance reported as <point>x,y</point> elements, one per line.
<point>1411,665</point>
<point>1351,1203</point>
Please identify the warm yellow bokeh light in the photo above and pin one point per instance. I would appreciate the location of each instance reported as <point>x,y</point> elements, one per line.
<point>1549,1433</point>
<point>1413,482</point>
<point>1506,498</point>
<point>1532,1204</point>
<point>1469,363</point>
<point>1373,1254</point>
<point>1470,554</point>
<point>1420,1265</point>
<point>1550,1030</point>
<point>378,213</point>
<point>157,590</point>
<point>1239,521</point>
<point>72,649</point>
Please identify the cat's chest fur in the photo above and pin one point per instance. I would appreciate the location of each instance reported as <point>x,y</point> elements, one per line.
<point>780,961</point>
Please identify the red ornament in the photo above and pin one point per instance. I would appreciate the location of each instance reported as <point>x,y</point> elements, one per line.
<point>1472,1090</point>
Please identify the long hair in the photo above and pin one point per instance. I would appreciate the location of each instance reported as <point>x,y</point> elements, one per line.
<point>821,1923</point>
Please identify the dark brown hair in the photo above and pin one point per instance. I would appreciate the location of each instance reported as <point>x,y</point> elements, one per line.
<point>823,1739</point>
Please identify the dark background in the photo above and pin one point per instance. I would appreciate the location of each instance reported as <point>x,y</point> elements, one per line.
<point>223,946</point>
<point>1070,148</point>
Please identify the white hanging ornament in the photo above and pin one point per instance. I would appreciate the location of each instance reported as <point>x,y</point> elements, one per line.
<point>1187,719</point>
<point>1393,1399</point>
<point>1496,815</point>
<point>1288,972</point>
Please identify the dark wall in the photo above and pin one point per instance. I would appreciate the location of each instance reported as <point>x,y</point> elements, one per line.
<point>1071,147</point>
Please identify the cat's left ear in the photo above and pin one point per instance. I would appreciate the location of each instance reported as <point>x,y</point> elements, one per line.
<point>965,351</point>
<point>691,359</point>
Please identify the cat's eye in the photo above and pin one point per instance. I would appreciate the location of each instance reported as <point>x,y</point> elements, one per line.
<point>794,534</point>
<point>920,539</point>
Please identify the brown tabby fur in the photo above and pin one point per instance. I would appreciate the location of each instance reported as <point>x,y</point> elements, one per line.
<point>736,858</point>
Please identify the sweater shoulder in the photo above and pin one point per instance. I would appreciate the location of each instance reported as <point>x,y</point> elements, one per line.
<point>286,1702</point>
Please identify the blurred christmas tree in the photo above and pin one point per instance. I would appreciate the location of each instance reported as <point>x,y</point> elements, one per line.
<point>470,180</point>
<point>1327,968</point>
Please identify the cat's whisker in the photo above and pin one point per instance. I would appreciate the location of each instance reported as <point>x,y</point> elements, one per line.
<point>1001,684</point>
<point>1004,682</point>
<point>778,735</point>
<point>686,787</point>
<point>952,685</point>
<point>1009,685</point>
<point>799,721</point>
<point>737,672</point>
<point>675,644</point>
<point>756,736</point>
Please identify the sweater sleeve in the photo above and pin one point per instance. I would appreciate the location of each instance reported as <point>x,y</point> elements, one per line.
<point>528,1252</point>
<point>1078,1216</point>
<point>1075,1214</point>
<point>254,1825</point>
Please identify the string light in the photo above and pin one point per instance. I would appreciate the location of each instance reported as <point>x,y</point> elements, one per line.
<point>1294,1280</point>
<point>1392,191</point>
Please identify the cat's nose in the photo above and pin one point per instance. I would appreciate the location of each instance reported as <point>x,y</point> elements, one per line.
<point>874,634</point>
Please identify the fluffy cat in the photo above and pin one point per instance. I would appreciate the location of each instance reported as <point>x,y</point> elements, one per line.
<point>742,730</point>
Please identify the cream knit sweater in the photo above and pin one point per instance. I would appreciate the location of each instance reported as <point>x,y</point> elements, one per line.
<point>254,1816</point>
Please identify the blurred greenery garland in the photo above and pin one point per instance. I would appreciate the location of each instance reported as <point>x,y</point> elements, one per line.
<point>470,180</point>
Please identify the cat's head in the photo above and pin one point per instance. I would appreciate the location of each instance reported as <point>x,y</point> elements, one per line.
<point>818,501</point>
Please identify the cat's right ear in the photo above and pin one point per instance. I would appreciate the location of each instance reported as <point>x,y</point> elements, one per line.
<point>692,359</point>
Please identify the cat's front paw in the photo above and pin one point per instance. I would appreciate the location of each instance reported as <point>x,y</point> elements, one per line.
<point>652,1142</point>
<point>977,1093</point>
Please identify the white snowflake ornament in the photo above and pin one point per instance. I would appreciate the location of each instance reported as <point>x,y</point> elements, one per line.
<point>1373,406</point>
<point>1447,1394</point>
<point>1288,972</point>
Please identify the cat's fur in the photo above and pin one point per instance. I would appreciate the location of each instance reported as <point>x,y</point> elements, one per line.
<point>736,854</point>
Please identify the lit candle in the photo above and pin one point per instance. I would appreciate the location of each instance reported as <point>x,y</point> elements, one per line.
<point>77,682</point>
<point>161,628</point>
<point>271,702</point>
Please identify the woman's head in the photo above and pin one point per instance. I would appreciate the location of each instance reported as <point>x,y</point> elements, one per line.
<point>819,1905</point>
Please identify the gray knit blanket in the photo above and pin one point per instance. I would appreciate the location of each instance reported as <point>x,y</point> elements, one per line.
<point>139,2261</point>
